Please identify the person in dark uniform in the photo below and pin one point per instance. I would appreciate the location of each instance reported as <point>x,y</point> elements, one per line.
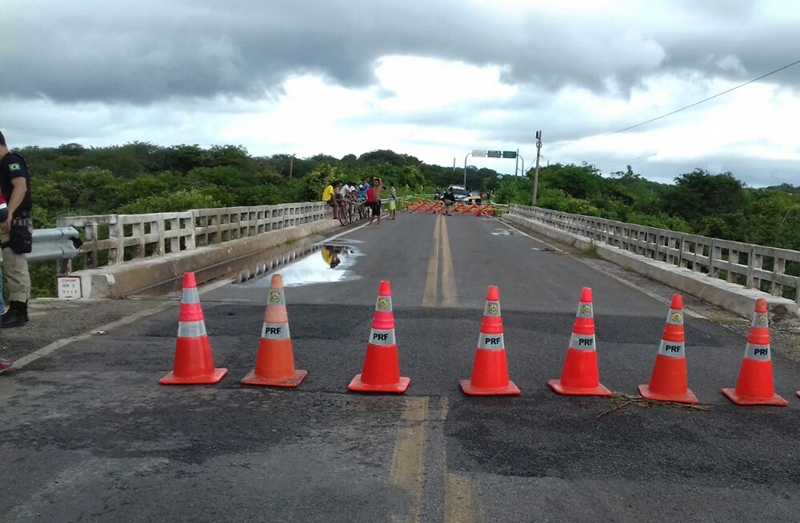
<point>16,233</point>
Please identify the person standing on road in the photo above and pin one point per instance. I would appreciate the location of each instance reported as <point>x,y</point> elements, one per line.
<point>392,202</point>
<point>5,363</point>
<point>16,233</point>
<point>374,201</point>
<point>363,188</point>
<point>449,200</point>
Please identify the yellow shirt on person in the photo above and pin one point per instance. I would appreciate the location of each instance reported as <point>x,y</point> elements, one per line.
<point>327,194</point>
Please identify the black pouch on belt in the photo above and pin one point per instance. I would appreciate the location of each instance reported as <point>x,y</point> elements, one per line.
<point>20,236</point>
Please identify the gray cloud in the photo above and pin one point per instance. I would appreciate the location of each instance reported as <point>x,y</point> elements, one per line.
<point>153,50</point>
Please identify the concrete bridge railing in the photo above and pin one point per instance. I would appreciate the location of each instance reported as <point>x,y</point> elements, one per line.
<point>115,239</point>
<point>125,254</point>
<point>766,269</point>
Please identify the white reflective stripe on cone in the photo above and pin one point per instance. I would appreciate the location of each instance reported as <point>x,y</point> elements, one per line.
<point>275,331</point>
<point>276,297</point>
<point>675,317</point>
<point>381,337</point>
<point>191,329</point>
<point>190,295</point>
<point>757,352</point>
<point>491,341</point>
<point>675,349</point>
<point>492,308</point>
<point>384,304</point>
<point>582,341</point>
<point>760,319</point>
<point>585,310</point>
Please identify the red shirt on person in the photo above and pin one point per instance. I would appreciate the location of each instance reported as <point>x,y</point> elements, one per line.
<point>371,195</point>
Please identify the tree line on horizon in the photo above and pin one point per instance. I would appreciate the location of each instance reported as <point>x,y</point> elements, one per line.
<point>73,180</point>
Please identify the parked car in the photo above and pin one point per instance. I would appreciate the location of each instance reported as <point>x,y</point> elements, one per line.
<point>461,194</point>
<point>475,197</point>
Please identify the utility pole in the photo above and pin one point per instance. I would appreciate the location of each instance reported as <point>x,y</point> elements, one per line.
<point>465,170</point>
<point>291,166</point>
<point>536,175</point>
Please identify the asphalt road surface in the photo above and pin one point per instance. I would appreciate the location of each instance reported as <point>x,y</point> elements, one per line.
<point>88,434</point>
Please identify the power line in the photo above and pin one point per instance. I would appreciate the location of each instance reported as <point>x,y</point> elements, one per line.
<point>690,105</point>
<point>704,100</point>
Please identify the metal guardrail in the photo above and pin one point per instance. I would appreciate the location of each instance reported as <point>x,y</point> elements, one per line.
<point>61,243</point>
<point>767,269</point>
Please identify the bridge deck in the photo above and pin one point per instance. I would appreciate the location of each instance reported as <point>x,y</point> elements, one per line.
<point>88,434</point>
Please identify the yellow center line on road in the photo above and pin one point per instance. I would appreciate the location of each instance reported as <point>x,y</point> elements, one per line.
<point>408,461</point>
<point>440,248</point>
<point>458,503</point>
<point>448,279</point>
<point>432,279</point>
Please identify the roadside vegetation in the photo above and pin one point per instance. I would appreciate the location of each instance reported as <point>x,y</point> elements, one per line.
<point>73,180</point>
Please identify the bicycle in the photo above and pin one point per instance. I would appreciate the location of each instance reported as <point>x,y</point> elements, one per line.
<point>344,214</point>
<point>353,211</point>
<point>360,209</point>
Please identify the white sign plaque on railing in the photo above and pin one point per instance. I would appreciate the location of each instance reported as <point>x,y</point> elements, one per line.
<point>69,287</point>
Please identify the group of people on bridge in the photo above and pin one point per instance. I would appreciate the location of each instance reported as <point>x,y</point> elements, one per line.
<point>339,195</point>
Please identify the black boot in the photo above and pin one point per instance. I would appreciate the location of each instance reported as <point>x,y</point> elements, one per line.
<point>16,315</point>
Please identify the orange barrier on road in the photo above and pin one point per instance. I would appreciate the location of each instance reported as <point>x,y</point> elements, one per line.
<point>581,375</point>
<point>193,363</point>
<point>490,370</point>
<point>461,208</point>
<point>755,385</point>
<point>275,360</point>
<point>668,381</point>
<point>381,371</point>
<point>423,206</point>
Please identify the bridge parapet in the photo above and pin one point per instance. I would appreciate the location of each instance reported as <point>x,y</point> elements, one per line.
<point>115,239</point>
<point>757,267</point>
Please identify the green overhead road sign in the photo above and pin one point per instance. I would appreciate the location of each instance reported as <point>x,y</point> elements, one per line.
<point>509,154</point>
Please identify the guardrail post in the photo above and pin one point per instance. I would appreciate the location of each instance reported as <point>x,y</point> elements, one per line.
<point>780,268</point>
<point>116,232</point>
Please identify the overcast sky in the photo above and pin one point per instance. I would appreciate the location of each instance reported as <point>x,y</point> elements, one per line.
<point>435,79</point>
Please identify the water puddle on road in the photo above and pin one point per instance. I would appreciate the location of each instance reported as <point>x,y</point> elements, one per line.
<point>505,232</point>
<point>332,263</point>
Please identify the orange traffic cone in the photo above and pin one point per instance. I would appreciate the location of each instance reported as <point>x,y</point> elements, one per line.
<point>580,375</point>
<point>194,363</point>
<point>668,381</point>
<point>381,372</point>
<point>275,360</point>
<point>490,370</point>
<point>755,385</point>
